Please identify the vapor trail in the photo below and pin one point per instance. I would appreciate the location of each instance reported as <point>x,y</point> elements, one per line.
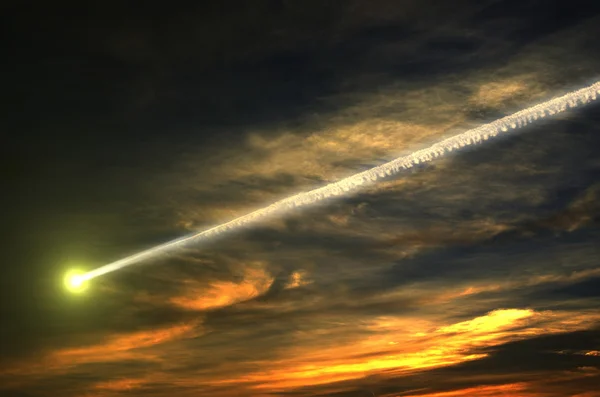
<point>470,137</point>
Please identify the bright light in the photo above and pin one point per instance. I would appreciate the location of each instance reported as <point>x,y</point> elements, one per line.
<point>75,281</point>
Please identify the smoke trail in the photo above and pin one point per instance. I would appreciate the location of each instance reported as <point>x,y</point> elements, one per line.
<point>470,137</point>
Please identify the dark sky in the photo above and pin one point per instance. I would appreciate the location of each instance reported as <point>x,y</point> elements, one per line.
<point>126,124</point>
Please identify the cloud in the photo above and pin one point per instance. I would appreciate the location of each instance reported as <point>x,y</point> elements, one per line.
<point>218,294</point>
<point>297,279</point>
<point>404,345</point>
<point>136,347</point>
<point>120,384</point>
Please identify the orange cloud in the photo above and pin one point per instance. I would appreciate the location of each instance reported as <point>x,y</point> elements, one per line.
<point>297,279</point>
<point>538,386</point>
<point>123,346</point>
<point>512,390</point>
<point>495,93</point>
<point>255,282</point>
<point>128,346</point>
<point>120,384</point>
<point>475,288</point>
<point>404,345</point>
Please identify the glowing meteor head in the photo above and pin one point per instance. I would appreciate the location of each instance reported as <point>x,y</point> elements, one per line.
<point>75,281</point>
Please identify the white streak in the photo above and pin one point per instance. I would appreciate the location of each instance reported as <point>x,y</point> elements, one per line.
<point>475,135</point>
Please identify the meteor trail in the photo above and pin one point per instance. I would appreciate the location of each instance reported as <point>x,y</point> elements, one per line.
<point>470,137</point>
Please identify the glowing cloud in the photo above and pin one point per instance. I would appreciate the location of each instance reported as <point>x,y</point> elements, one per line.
<point>400,346</point>
<point>342,187</point>
<point>224,293</point>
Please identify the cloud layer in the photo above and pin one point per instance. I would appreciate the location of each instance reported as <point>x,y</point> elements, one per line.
<point>475,274</point>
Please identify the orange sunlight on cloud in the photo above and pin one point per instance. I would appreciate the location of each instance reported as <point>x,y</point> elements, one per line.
<point>536,387</point>
<point>120,384</point>
<point>121,347</point>
<point>405,345</point>
<point>512,390</point>
<point>256,281</point>
<point>135,345</point>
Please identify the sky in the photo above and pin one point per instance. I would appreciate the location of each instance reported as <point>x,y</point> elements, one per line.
<point>126,126</point>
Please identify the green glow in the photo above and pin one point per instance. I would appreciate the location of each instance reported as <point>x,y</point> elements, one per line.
<point>75,281</point>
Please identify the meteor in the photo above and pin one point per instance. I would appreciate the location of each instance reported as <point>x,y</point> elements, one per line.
<point>342,187</point>
<point>75,281</point>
